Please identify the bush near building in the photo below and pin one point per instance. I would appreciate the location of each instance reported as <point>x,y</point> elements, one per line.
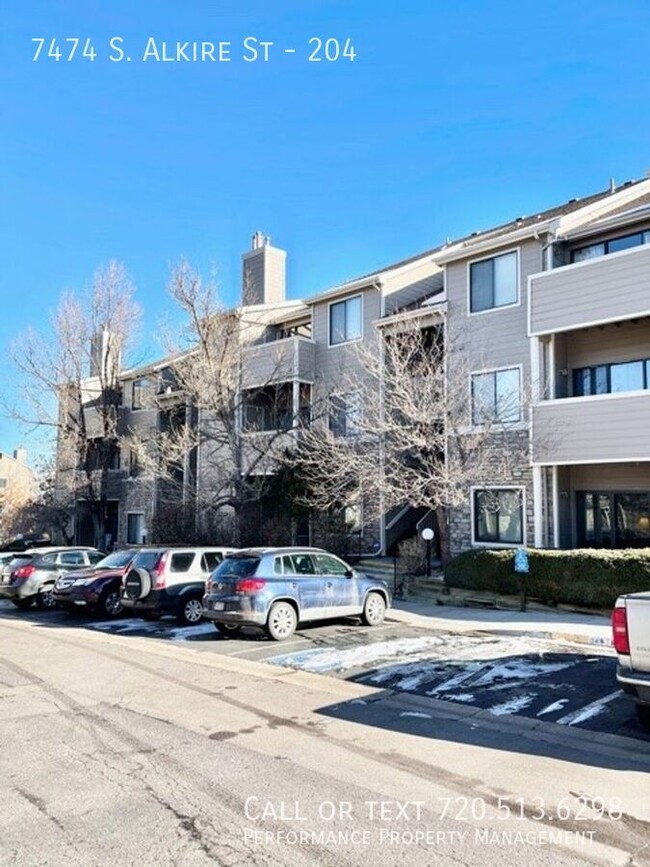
<point>586,577</point>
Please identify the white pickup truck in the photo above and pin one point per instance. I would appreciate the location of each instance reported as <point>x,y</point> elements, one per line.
<point>631,628</point>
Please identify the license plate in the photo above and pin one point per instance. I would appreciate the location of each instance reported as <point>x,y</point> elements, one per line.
<point>219,606</point>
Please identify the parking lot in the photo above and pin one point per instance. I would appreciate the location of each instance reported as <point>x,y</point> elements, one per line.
<point>568,684</point>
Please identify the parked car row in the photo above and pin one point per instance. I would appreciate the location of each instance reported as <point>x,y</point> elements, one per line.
<point>272,588</point>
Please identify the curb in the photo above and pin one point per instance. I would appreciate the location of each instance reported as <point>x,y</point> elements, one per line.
<point>545,632</point>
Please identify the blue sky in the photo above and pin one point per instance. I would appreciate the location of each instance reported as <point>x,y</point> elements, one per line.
<point>453,117</point>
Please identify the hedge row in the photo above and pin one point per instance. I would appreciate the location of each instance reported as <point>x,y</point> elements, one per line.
<point>593,578</point>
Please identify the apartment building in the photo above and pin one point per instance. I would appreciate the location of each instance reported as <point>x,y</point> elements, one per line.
<point>17,486</point>
<point>547,321</point>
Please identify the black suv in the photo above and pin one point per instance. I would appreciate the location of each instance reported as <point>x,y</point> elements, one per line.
<point>170,581</point>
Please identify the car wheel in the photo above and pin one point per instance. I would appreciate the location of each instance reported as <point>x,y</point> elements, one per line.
<point>190,611</point>
<point>23,604</point>
<point>227,630</point>
<point>643,715</point>
<point>374,609</point>
<point>282,621</point>
<point>110,604</point>
<point>45,600</point>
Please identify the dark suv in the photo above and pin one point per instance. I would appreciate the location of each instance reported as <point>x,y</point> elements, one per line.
<point>97,589</point>
<point>170,581</point>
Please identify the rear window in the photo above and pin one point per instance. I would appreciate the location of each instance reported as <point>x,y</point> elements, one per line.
<point>17,562</point>
<point>237,567</point>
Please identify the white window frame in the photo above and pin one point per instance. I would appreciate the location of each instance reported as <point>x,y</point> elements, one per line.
<point>516,303</point>
<point>509,425</point>
<point>329,321</point>
<point>476,543</point>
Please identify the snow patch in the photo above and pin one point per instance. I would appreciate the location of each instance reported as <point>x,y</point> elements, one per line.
<point>416,714</point>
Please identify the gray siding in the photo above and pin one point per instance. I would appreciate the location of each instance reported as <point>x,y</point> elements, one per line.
<point>584,430</point>
<point>491,339</point>
<point>278,361</point>
<point>610,288</point>
<point>332,363</point>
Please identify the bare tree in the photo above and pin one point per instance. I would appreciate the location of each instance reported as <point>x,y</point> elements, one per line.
<point>226,415</point>
<point>403,430</point>
<point>70,378</point>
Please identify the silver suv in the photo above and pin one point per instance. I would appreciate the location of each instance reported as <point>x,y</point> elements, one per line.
<point>166,580</point>
<point>31,575</point>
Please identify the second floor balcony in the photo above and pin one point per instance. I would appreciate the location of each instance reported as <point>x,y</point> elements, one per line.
<point>278,361</point>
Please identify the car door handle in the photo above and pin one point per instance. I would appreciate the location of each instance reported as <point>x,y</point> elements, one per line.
<point>330,584</point>
<point>294,585</point>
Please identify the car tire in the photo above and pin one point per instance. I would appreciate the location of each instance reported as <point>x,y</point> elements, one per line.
<point>45,600</point>
<point>110,604</point>
<point>23,604</point>
<point>643,715</point>
<point>282,621</point>
<point>374,609</point>
<point>190,610</point>
<point>227,630</point>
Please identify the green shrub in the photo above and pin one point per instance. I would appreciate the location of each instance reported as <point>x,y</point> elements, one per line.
<point>588,577</point>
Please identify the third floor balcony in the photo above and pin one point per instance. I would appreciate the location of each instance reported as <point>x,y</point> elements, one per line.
<point>610,288</point>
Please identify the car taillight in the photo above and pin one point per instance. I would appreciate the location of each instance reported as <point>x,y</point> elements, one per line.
<point>158,572</point>
<point>249,585</point>
<point>24,572</point>
<point>619,629</point>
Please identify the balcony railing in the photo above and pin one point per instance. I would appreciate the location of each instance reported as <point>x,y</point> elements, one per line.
<point>278,361</point>
<point>610,288</point>
<point>608,428</point>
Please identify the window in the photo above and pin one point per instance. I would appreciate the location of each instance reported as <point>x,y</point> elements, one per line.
<point>298,564</point>
<point>210,560</point>
<point>95,557</point>
<point>328,565</point>
<point>142,391</point>
<point>72,558</point>
<point>614,245</point>
<point>496,396</point>
<point>493,282</point>
<point>613,519</point>
<point>135,528</point>
<point>612,378</point>
<point>181,562</point>
<point>3,484</point>
<point>345,320</point>
<point>498,516</point>
<point>345,414</point>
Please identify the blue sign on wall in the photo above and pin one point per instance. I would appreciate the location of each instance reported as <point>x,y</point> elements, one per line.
<point>521,560</point>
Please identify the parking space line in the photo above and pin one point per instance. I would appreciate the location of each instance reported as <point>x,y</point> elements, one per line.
<point>589,710</point>
<point>264,647</point>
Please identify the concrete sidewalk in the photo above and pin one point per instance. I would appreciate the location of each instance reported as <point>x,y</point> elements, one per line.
<point>592,629</point>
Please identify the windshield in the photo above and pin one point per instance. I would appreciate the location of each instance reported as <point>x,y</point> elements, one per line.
<point>237,567</point>
<point>116,560</point>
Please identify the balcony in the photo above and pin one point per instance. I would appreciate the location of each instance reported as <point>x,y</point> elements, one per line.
<point>609,288</point>
<point>278,361</point>
<point>609,428</point>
